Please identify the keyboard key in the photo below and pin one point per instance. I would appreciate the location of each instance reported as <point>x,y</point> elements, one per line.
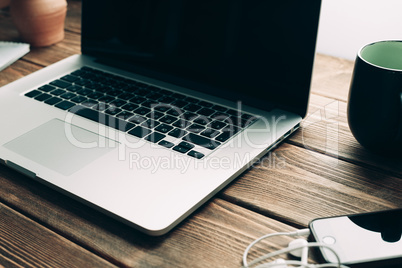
<point>233,120</point>
<point>140,132</point>
<point>154,96</point>
<point>126,96</point>
<point>137,99</point>
<point>118,102</point>
<point>210,133</point>
<point>53,100</point>
<point>137,119</point>
<point>73,88</point>
<point>219,108</point>
<point>85,91</point>
<point>195,128</point>
<point>67,95</point>
<point>181,124</point>
<point>223,137</point>
<point>70,78</point>
<point>166,144</point>
<point>231,129</point>
<point>60,83</point>
<point>233,112</point>
<point>179,103</point>
<point>217,125</point>
<point>106,99</point>
<point>206,111</point>
<point>174,112</point>
<point>177,133</point>
<point>112,110</point>
<point>89,104</point>
<point>192,107</point>
<point>186,145</point>
<point>155,115</point>
<point>166,99</point>
<point>202,120</point>
<point>57,92</point>
<point>95,95</point>
<point>220,116</point>
<point>114,93</point>
<point>162,107</point>
<point>89,114</point>
<point>196,154</point>
<point>227,133</point>
<point>142,111</point>
<point>189,116</point>
<point>124,115</point>
<point>168,119</point>
<point>33,93</point>
<point>150,123</point>
<point>246,116</point>
<point>164,128</point>
<point>205,104</point>
<point>148,104</point>
<point>43,97</point>
<point>201,141</point>
<point>101,106</point>
<point>65,105</point>
<point>47,88</point>
<point>246,123</point>
<point>155,137</point>
<point>130,107</point>
<point>181,149</point>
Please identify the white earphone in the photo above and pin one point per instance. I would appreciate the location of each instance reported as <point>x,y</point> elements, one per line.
<point>297,248</point>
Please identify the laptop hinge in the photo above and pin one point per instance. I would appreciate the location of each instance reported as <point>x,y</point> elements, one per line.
<point>20,169</point>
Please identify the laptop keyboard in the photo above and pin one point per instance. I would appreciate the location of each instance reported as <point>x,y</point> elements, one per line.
<point>173,120</point>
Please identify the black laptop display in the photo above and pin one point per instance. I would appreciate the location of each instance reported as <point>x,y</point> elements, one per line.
<point>260,52</point>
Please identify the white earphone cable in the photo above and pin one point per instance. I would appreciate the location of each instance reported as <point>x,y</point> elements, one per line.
<point>302,232</point>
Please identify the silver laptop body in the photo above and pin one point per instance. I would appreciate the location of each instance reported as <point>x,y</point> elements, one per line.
<point>139,182</point>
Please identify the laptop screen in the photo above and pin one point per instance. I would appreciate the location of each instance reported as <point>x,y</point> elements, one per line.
<point>257,51</point>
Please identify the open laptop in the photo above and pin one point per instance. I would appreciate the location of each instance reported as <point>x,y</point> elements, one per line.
<point>168,103</point>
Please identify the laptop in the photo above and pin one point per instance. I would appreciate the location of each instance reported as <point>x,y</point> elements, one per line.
<point>167,104</point>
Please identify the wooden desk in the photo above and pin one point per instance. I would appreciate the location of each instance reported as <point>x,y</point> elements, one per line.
<point>320,171</point>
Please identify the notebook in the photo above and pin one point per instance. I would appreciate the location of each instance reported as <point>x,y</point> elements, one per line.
<point>10,52</point>
<point>167,104</point>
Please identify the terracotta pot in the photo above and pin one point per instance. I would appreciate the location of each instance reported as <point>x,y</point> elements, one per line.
<point>39,22</point>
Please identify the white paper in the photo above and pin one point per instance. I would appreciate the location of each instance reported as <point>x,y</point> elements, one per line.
<point>10,52</point>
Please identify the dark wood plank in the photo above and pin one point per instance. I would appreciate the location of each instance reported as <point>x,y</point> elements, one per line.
<point>24,243</point>
<point>215,236</point>
<point>331,77</point>
<point>8,32</point>
<point>73,23</point>
<point>325,129</point>
<point>296,185</point>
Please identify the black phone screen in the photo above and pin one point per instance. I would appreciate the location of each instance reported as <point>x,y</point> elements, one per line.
<point>362,238</point>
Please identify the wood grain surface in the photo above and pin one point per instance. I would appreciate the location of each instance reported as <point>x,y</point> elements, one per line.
<point>319,171</point>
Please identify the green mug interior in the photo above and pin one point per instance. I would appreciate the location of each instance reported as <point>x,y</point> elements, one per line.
<point>386,54</point>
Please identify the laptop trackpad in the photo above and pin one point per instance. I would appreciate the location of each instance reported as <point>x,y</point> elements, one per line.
<point>60,146</point>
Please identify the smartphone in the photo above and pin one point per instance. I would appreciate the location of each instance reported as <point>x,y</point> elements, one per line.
<point>361,240</point>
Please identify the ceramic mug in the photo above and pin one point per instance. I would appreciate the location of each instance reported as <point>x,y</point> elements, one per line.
<point>375,97</point>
